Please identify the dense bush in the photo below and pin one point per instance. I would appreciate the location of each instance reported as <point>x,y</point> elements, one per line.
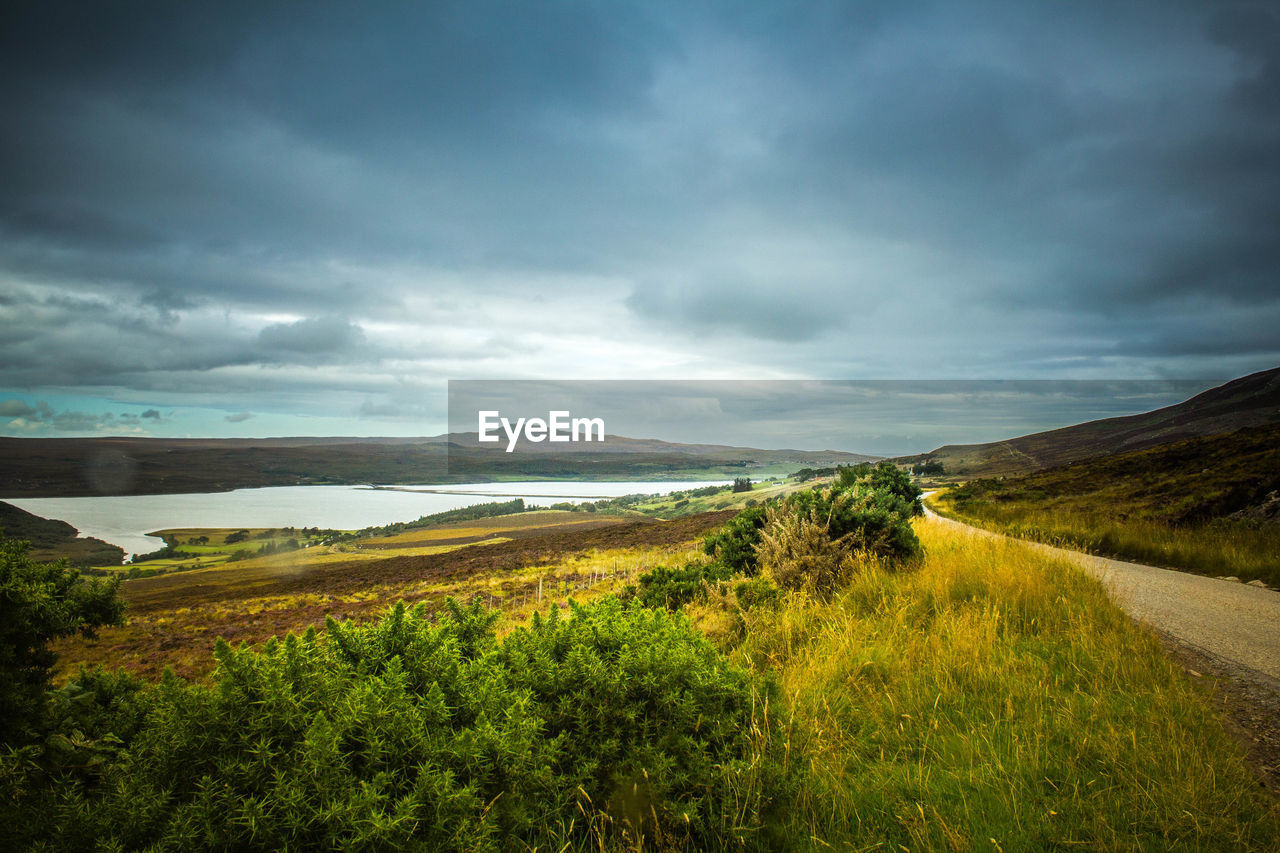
<point>674,588</point>
<point>807,539</point>
<point>734,545</point>
<point>655,722</point>
<point>883,477</point>
<point>862,518</point>
<point>40,602</point>
<point>408,734</point>
<point>798,552</point>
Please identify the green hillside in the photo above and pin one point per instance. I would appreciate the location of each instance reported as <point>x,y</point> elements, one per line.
<point>1209,505</point>
<point>53,540</point>
<point>1250,401</point>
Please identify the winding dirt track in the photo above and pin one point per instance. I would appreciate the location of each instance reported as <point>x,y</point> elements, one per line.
<point>1233,623</point>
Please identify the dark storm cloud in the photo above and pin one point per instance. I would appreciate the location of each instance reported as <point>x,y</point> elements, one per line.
<point>196,198</point>
<point>85,339</point>
<point>766,309</point>
<point>17,409</point>
<point>289,122</point>
<point>314,336</point>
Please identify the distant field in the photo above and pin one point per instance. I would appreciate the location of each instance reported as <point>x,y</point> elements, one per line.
<point>192,548</point>
<point>694,501</point>
<point>1208,505</point>
<point>175,618</point>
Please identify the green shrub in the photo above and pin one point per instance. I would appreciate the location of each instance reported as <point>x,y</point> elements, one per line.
<point>664,587</point>
<point>408,734</point>
<point>883,477</point>
<point>734,545</point>
<point>652,720</point>
<point>757,592</point>
<point>808,538</point>
<point>40,602</point>
<point>860,518</point>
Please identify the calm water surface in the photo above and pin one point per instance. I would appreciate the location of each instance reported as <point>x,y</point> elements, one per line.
<point>125,521</point>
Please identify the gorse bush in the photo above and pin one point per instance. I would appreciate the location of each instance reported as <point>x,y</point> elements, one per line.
<point>807,540</point>
<point>884,477</point>
<point>734,545</point>
<point>652,722</point>
<point>674,588</point>
<point>40,602</point>
<point>861,518</point>
<point>611,722</point>
<point>798,552</point>
<point>803,541</point>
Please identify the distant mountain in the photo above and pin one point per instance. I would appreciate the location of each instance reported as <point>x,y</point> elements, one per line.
<point>67,467</point>
<point>1250,401</point>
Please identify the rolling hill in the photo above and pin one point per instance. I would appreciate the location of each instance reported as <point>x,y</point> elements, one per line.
<point>52,539</point>
<point>1251,401</point>
<point>70,467</point>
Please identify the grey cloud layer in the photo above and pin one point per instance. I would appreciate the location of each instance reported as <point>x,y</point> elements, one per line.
<point>191,191</point>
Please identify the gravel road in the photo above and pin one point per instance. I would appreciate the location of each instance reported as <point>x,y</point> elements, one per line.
<point>1233,622</point>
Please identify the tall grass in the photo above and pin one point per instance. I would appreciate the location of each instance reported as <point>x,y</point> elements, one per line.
<point>992,698</point>
<point>1214,548</point>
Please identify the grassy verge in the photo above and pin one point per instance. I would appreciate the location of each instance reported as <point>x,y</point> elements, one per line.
<point>1219,548</point>
<point>993,698</point>
<point>1209,505</point>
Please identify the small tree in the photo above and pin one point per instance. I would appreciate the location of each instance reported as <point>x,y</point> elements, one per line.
<point>742,484</point>
<point>40,602</point>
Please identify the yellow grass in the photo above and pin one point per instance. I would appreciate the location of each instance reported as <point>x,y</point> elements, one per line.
<point>994,698</point>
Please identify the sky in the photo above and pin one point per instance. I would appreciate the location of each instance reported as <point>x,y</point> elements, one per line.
<point>262,218</point>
